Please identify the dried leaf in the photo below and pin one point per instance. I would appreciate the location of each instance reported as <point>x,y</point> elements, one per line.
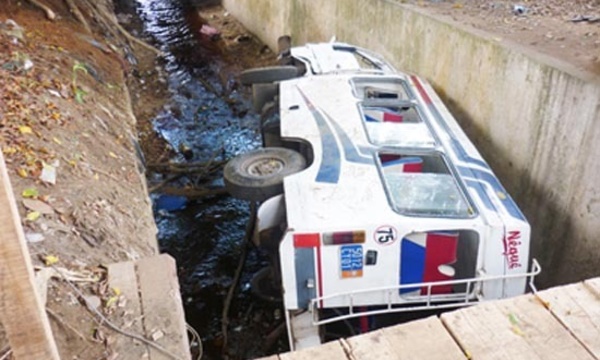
<point>111,300</point>
<point>99,335</point>
<point>10,150</point>
<point>50,260</point>
<point>30,193</point>
<point>22,172</point>
<point>25,129</point>
<point>33,216</point>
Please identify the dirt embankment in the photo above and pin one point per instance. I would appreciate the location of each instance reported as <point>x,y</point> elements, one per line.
<point>69,137</point>
<point>69,99</point>
<point>568,30</point>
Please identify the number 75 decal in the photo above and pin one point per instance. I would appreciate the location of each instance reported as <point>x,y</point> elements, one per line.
<point>386,235</point>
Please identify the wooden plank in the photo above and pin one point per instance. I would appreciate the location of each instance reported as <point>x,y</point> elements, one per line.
<point>423,339</point>
<point>122,276</point>
<point>593,285</point>
<point>22,312</point>
<point>517,328</point>
<point>578,309</point>
<point>162,307</point>
<point>420,339</point>
<point>371,345</point>
<point>328,351</point>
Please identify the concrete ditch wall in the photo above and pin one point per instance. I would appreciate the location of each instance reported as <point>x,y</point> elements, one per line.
<point>534,119</point>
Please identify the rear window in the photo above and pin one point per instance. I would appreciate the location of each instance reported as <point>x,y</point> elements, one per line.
<point>390,116</point>
<point>422,185</point>
<point>395,123</point>
<point>380,88</point>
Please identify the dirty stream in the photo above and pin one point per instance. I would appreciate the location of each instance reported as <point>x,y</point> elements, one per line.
<point>206,237</point>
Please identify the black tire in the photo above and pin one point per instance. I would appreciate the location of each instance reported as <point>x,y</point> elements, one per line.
<point>258,175</point>
<point>268,74</point>
<point>262,94</point>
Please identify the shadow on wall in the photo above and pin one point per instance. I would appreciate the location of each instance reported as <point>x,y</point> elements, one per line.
<point>551,226</point>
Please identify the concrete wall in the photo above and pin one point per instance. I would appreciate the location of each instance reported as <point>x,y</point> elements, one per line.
<point>535,120</point>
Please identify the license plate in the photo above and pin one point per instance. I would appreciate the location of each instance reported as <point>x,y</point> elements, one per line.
<point>351,261</point>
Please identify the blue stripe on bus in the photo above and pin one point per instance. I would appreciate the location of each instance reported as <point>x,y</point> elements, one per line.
<point>480,190</point>
<point>350,152</point>
<point>479,175</point>
<point>329,170</point>
<point>501,194</point>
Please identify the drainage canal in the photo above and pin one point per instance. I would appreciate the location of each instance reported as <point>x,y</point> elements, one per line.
<point>206,236</point>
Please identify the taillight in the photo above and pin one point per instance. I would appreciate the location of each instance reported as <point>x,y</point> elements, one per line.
<point>344,237</point>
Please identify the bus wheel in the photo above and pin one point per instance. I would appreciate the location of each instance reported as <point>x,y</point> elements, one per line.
<point>258,175</point>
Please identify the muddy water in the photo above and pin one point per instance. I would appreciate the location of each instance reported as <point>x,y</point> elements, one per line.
<point>206,237</point>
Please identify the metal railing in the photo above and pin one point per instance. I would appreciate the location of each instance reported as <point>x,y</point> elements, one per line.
<point>428,301</point>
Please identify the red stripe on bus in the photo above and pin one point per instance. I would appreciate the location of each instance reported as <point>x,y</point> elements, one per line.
<point>320,276</point>
<point>307,240</point>
<point>421,89</point>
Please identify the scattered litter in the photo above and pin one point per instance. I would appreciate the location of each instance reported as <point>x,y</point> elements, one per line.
<point>210,32</point>
<point>588,18</point>
<point>170,202</point>
<point>520,10</point>
<point>12,29</point>
<point>54,93</point>
<point>33,238</point>
<point>61,273</point>
<point>158,334</point>
<point>19,62</point>
<point>39,206</point>
<point>27,65</point>
<point>92,301</point>
<point>48,174</point>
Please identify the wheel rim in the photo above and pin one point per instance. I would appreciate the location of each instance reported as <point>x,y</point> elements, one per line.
<point>265,167</point>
